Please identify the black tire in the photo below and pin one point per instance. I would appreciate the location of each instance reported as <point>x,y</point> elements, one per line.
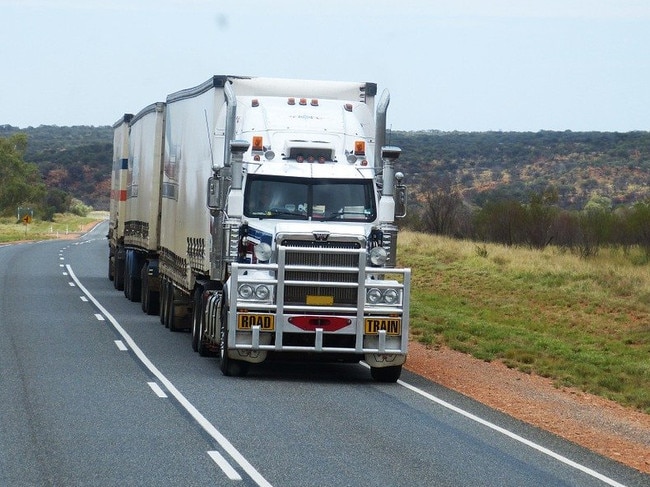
<point>118,277</point>
<point>111,266</point>
<point>229,367</point>
<point>150,299</point>
<point>172,322</point>
<point>163,302</point>
<point>386,374</point>
<point>197,312</point>
<point>127,280</point>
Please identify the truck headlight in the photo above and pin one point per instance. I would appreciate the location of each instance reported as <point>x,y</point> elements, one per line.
<point>262,292</point>
<point>263,252</point>
<point>373,296</point>
<point>245,291</point>
<point>378,256</point>
<point>391,296</point>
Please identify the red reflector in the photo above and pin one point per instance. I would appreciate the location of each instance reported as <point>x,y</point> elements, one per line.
<point>327,323</point>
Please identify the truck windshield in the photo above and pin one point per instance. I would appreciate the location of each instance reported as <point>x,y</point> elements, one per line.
<point>309,199</point>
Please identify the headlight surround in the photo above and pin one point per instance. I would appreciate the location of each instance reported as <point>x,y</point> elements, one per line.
<point>378,256</point>
<point>255,292</point>
<point>386,297</point>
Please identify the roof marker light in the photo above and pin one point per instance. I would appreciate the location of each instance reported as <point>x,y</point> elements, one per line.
<point>348,107</point>
<point>314,102</point>
<point>258,143</point>
<point>303,101</point>
<point>291,101</point>
<point>255,102</point>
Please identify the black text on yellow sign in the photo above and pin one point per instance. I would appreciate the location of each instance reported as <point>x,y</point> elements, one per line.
<point>392,326</point>
<point>27,219</point>
<point>246,321</point>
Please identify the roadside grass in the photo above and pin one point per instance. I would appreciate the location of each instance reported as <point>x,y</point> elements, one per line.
<point>582,323</point>
<point>63,224</point>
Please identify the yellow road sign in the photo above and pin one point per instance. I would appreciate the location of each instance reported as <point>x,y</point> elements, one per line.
<point>27,219</point>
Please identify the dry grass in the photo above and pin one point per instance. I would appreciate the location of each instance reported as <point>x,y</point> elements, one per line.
<point>584,323</point>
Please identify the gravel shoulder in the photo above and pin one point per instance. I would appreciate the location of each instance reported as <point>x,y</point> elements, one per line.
<point>596,423</point>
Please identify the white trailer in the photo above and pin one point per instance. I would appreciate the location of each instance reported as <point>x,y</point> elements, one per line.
<point>143,206</point>
<point>118,201</point>
<point>293,253</point>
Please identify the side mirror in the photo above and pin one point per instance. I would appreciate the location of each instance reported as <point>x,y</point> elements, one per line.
<point>213,193</point>
<point>400,196</point>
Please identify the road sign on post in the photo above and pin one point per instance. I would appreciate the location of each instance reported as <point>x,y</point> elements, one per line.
<point>25,215</point>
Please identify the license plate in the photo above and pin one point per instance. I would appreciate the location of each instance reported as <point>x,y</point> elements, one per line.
<point>246,321</point>
<point>393,326</point>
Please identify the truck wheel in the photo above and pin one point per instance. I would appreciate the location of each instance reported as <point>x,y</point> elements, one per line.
<point>386,374</point>
<point>228,366</point>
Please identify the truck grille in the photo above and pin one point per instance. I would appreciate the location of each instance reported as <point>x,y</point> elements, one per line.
<point>329,255</point>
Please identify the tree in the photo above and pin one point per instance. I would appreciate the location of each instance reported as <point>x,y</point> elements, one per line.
<point>442,207</point>
<point>20,182</point>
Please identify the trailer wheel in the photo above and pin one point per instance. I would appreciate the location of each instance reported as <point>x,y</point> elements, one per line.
<point>386,374</point>
<point>118,271</point>
<point>164,310</point>
<point>229,367</point>
<point>197,332</point>
<point>150,299</point>
<point>111,266</point>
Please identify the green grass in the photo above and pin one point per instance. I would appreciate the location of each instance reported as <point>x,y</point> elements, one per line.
<point>63,224</point>
<point>582,323</point>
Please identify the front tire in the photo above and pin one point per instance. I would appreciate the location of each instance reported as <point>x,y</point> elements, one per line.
<point>229,367</point>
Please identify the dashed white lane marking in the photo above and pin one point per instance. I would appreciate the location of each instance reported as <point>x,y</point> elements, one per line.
<point>99,317</point>
<point>182,400</point>
<point>120,346</point>
<point>84,299</point>
<point>224,465</point>
<point>157,390</point>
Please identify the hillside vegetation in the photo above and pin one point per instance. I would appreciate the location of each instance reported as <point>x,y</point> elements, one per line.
<point>583,323</point>
<point>483,166</point>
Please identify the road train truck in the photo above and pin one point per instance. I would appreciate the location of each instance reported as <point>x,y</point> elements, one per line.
<point>268,221</point>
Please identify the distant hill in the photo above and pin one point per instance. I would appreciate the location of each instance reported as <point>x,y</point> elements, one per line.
<point>493,165</point>
<point>74,159</point>
<point>483,165</point>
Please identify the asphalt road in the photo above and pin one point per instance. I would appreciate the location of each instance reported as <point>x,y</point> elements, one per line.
<point>95,393</point>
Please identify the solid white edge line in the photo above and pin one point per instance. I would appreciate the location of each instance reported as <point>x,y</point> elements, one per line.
<point>157,390</point>
<point>230,472</point>
<point>512,435</point>
<point>189,407</point>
